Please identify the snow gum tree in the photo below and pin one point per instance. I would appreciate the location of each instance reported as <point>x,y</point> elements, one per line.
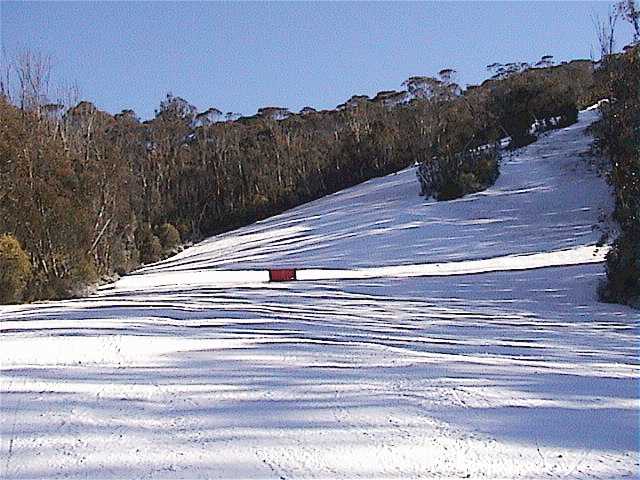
<point>618,136</point>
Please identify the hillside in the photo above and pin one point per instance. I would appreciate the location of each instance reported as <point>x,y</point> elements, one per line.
<point>184,371</point>
<point>547,199</point>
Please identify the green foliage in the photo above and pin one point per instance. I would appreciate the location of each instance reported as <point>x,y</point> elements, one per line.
<point>618,136</point>
<point>148,245</point>
<point>537,97</point>
<point>125,259</point>
<point>169,238</point>
<point>15,270</point>
<point>623,272</point>
<point>450,178</point>
<point>82,276</point>
<point>84,272</point>
<point>451,164</point>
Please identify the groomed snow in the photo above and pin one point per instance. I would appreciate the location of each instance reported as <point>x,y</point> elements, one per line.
<point>467,343</point>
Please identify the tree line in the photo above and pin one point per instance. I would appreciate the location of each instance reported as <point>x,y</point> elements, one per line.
<point>85,194</point>
<point>617,136</point>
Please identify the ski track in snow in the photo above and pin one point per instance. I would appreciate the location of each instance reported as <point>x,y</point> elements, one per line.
<point>503,374</point>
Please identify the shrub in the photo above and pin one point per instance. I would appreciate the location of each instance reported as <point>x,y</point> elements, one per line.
<point>453,177</point>
<point>534,97</point>
<point>15,270</point>
<point>169,238</point>
<point>79,281</point>
<point>125,259</point>
<point>152,250</point>
<point>84,272</point>
<point>452,188</point>
<point>623,272</point>
<point>568,116</point>
<point>488,169</point>
<point>149,245</point>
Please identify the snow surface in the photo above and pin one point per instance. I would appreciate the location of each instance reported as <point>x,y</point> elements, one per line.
<point>456,339</point>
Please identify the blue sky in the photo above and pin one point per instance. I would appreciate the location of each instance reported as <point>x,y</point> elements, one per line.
<point>241,56</point>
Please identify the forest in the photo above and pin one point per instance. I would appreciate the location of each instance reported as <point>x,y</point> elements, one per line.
<point>86,195</point>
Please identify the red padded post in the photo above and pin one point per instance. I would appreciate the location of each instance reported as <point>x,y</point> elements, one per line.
<point>282,275</point>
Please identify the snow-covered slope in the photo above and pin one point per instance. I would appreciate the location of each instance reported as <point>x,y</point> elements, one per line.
<point>546,199</point>
<point>174,373</point>
<point>547,202</point>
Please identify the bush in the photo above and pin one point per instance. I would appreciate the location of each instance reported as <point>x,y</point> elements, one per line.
<point>623,272</point>
<point>169,238</point>
<point>15,270</point>
<point>569,116</point>
<point>152,251</point>
<point>454,177</point>
<point>450,190</point>
<point>534,97</point>
<point>487,170</point>
<point>84,273</point>
<point>78,282</point>
<point>125,259</point>
<point>149,245</point>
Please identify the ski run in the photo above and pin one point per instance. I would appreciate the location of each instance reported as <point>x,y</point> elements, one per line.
<point>424,339</point>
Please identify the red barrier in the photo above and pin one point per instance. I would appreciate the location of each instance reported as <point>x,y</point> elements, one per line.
<point>282,275</point>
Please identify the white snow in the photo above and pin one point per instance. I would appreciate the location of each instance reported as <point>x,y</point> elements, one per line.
<point>456,339</point>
